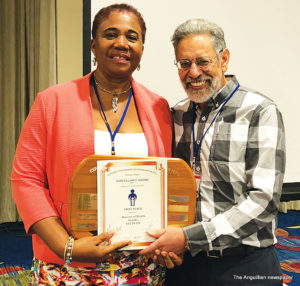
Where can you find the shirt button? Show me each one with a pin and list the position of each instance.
(198, 169)
(198, 141)
(203, 118)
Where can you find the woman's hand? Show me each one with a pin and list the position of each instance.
(86, 249)
(167, 259)
(95, 248)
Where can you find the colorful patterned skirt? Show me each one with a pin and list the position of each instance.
(123, 269)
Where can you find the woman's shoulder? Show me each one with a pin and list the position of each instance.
(68, 85)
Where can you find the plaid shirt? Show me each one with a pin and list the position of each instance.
(241, 162)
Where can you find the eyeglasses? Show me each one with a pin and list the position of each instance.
(202, 63)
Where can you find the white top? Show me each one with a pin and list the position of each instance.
(126, 144)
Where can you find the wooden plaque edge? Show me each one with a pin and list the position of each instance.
(111, 157)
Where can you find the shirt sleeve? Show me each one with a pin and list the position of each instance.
(29, 181)
(257, 207)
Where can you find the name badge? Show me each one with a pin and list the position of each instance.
(197, 175)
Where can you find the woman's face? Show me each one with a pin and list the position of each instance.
(118, 45)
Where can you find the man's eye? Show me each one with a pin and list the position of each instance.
(185, 64)
(202, 62)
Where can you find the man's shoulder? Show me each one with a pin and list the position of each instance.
(246, 96)
(254, 97)
(182, 106)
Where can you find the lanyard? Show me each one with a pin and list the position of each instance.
(112, 134)
(196, 146)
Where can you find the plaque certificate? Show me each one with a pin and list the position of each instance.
(132, 199)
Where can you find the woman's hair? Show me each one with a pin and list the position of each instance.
(200, 26)
(104, 13)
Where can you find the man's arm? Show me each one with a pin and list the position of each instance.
(254, 209)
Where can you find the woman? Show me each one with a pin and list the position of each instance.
(67, 123)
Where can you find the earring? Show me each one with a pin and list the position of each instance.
(94, 61)
(138, 67)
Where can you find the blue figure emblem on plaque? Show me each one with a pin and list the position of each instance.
(132, 198)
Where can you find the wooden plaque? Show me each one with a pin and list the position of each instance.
(82, 219)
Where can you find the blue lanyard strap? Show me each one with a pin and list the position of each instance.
(112, 134)
(196, 147)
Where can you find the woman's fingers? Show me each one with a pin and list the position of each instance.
(105, 236)
(107, 251)
(96, 248)
(114, 246)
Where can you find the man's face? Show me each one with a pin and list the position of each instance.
(201, 82)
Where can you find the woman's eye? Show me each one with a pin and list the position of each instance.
(132, 38)
(110, 36)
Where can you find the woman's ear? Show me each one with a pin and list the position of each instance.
(93, 46)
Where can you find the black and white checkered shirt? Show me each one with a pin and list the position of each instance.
(242, 164)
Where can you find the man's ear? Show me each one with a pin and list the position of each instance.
(225, 60)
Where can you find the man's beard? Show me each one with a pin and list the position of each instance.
(203, 95)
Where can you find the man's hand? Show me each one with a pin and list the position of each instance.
(169, 260)
(171, 239)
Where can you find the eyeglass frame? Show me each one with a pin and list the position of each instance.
(210, 61)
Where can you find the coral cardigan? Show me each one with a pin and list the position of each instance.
(57, 135)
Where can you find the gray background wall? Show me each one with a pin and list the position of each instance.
(263, 37)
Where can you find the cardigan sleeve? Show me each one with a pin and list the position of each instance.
(29, 180)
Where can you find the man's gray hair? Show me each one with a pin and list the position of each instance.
(200, 26)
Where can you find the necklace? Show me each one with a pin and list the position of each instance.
(112, 134)
(114, 102)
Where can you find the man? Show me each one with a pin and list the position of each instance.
(233, 139)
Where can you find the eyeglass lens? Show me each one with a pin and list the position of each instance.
(200, 62)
